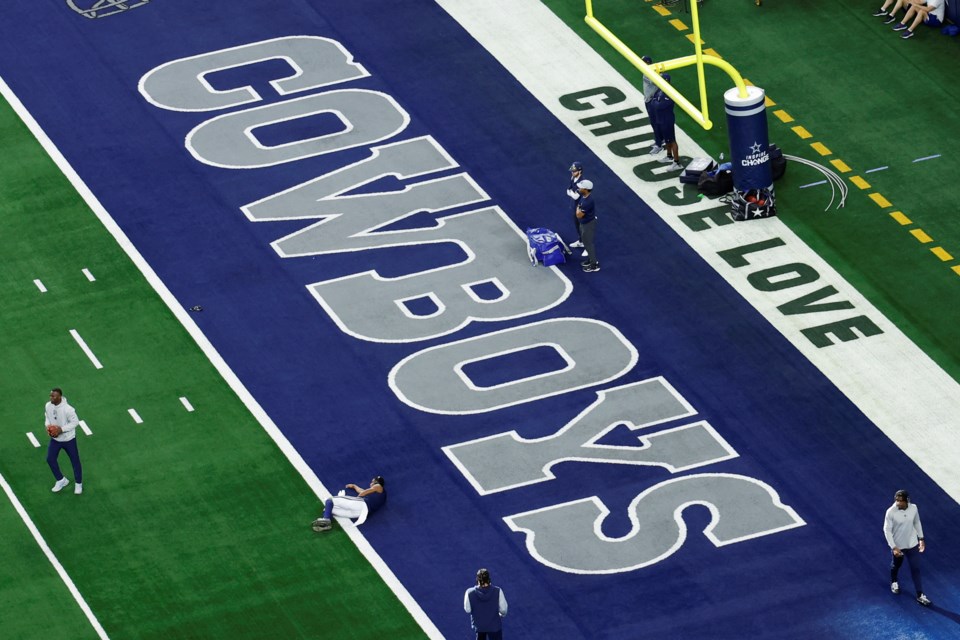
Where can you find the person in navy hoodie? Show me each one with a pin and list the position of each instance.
(486, 605)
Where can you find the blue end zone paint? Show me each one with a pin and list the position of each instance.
(791, 427)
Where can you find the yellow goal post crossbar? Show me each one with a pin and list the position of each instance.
(652, 71)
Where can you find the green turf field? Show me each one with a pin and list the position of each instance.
(192, 524)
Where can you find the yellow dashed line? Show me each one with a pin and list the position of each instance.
(803, 133)
(921, 235)
(860, 182)
(692, 38)
(941, 253)
(783, 115)
(840, 165)
(898, 216)
(819, 148)
(768, 102)
(747, 82)
(662, 10)
(712, 52)
(880, 200)
(956, 269)
(678, 24)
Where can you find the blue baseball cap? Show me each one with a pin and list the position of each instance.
(646, 59)
(665, 76)
(576, 166)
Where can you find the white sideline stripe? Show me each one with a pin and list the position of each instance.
(86, 429)
(895, 384)
(40, 286)
(363, 545)
(936, 155)
(33, 439)
(186, 404)
(876, 169)
(813, 184)
(52, 558)
(86, 349)
(89, 275)
(136, 416)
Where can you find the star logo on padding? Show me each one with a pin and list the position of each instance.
(755, 147)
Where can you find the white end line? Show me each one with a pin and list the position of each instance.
(86, 349)
(89, 275)
(33, 440)
(186, 403)
(53, 559)
(936, 155)
(136, 416)
(40, 286)
(86, 429)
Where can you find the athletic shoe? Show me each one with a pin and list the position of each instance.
(61, 483)
(584, 254)
(585, 263)
(908, 34)
(889, 20)
(895, 587)
(881, 12)
(78, 488)
(576, 245)
(674, 167)
(665, 159)
(899, 26)
(654, 150)
(322, 524)
(590, 268)
(924, 600)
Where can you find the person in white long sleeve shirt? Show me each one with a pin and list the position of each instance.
(904, 534)
(61, 424)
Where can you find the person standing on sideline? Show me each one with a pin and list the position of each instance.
(901, 528)
(576, 175)
(487, 606)
(587, 216)
(360, 506)
(61, 423)
(649, 91)
(666, 121)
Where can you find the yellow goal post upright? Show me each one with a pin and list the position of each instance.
(653, 70)
(745, 105)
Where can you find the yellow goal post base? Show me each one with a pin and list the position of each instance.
(652, 71)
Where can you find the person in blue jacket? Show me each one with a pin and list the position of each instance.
(487, 607)
(665, 121)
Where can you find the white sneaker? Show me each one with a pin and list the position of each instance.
(576, 245)
(78, 488)
(61, 483)
(924, 600)
(895, 587)
(654, 150)
(674, 167)
(584, 254)
(665, 159)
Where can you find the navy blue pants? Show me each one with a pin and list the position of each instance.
(53, 451)
(489, 635)
(914, 556)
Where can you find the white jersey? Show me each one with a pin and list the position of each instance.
(901, 527)
(64, 416)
